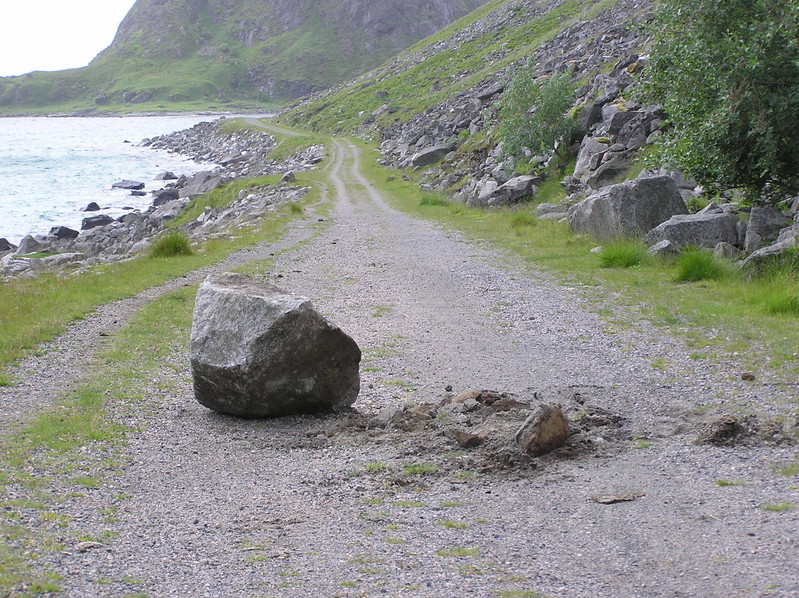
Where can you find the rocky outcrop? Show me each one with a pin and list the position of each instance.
(697, 230)
(257, 351)
(628, 209)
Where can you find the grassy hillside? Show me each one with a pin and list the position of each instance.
(229, 55)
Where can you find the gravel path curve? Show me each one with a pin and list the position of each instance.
(215, 506)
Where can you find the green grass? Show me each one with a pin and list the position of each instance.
(419, 468)
(781, 507)
(432, 200)
(623, 253)
(458, 552)
(170, 244)
(696, 264)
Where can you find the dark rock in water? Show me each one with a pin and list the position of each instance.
(6, 245)
(544, 431)
(257, 351)
(95, 221)
(138, 193)
(63, 232)
(166, 176)
(92, 207)
(125, 184)
(165, 195)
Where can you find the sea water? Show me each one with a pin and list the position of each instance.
(52, 168)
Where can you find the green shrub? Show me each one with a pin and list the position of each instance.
(623, 253)
(696, 264)
(171, 244)
(535, 115)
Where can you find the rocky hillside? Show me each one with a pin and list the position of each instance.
(435, 109)
(192, 53)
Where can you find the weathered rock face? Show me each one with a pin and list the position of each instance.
(544, 431)
(700, 230)
(628, 209)
(257, 351)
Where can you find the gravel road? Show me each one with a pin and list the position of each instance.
(214, 506)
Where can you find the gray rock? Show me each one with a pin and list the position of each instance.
(166, 176)
(700, 230)
(95, 221)
(608, 172)
(257, 351)
(664, 249)
(726, 250)
(29, 245)
(590, 155)
(200, 183)
(545, 209)
(762, 257)
(165, 196)
(765, 224)
(63, 232)
(544, 431)
(92, 207)
(431, 155)
(126, 184)
(628, 209)
(6, 245)
(288, 177)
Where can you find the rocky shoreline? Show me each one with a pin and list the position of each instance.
(102, 239)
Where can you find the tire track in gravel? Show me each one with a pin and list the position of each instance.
(219, 506)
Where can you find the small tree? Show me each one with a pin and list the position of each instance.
(535, 115)
(727, 74)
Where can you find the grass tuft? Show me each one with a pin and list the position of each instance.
(623, 253)
(171, 244)
(695, 264)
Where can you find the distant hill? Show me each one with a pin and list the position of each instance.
(198, 54)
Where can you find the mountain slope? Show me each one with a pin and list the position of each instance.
(192, 53)
(474, 56)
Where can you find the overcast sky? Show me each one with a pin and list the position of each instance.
(52, 35)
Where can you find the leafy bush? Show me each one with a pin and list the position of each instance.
(171, 244)
(623, 253)
(697, 264)
(726, 73)
(535, 115)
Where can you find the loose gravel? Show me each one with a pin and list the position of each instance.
(209, 505)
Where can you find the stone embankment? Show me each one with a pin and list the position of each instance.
(241, 154)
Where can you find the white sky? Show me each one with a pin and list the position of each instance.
(52, 35)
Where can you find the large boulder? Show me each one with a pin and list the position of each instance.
(765, 224)
(508, 193)
(628, 209)
(699, 230)
(431, 155)
(257, 351)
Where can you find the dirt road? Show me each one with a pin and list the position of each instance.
(214, 506)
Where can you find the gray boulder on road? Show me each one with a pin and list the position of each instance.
(257, 351)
